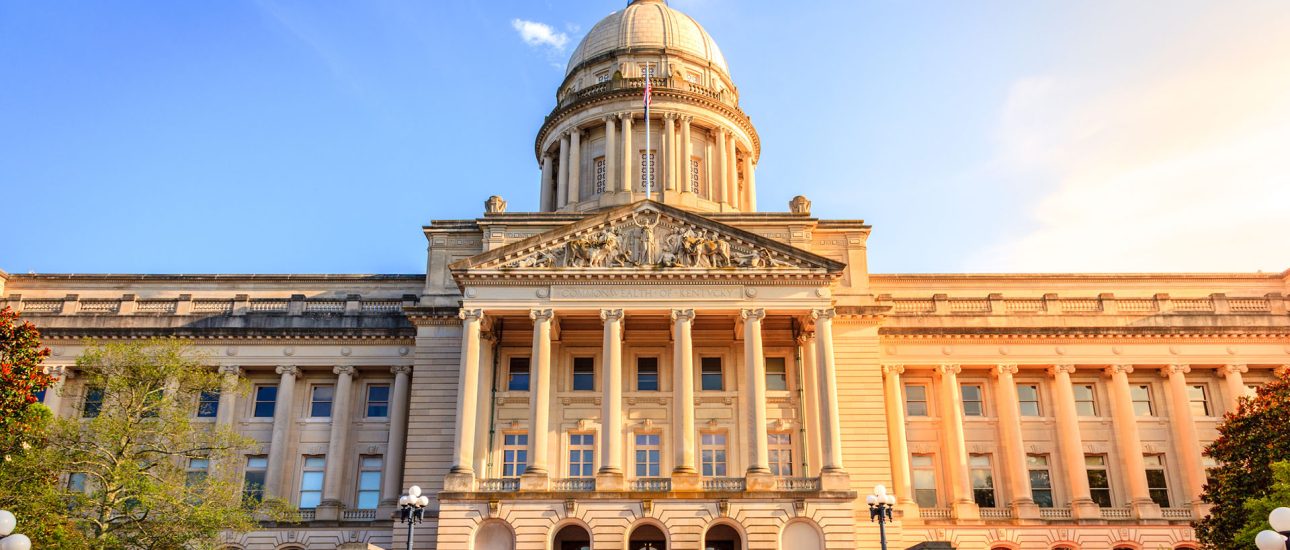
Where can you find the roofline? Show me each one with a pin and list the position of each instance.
(1085, 276)
(218, 276)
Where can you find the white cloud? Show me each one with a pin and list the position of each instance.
(540, 34)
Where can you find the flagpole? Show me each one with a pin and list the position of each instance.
(649, 154)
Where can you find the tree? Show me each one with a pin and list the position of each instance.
(1249, 442)
(1257, 509)
(22, 377)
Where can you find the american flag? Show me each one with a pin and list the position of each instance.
(649, 88)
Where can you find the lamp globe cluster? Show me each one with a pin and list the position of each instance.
(1279, 537)
(8, 540)
(414, 498)
(880, 496)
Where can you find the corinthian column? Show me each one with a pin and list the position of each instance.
(484, 398)
(1071, 444)
(722, 168)
(1014, 451)
(684, 157)
(1233, 385)
(669, 151)
(832, 476)
(897, 441)
(462, 475)
(229, 376)
(536, 475)
(562, 180)
(337, 444)
(755, 373)
(1129, 443)
(546, 190)
(397, 439)
(630, 173)
(611, 159)
(684, 476)
(610, 476)
(1186, 439)
(811, 398)
(964, 506)
(282, 416)
(575, 165)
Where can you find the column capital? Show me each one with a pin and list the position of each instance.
(686, 119)
(1170, 370)
(401, 369)
(721, 132)
(1228, 370)
(290, 370)
(470, 314)
(344, 370)
(1119, 369)
(893, 368)
(752, 314)
(610, 118)
(541, 314)
(625, 116)
(611, 315)
(824, 313)
(230, 369)
(1059, 369)
(1004, 369)
(683, 315)
(944, 369)
(64, 371)
(805, 337)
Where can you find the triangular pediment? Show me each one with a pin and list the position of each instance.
(647, 238)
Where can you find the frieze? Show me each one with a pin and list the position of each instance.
(562, 292)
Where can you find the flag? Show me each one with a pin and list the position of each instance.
(649, 88)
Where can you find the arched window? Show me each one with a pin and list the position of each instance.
(572, 537)
(494, 535)
(647, 537)
(722, 537)
(801, 535)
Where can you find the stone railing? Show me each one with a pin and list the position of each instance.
(652, 484)
(996, 513)
(358, 515)
(724, 484)
(499, 485)
(574, 484)
(1055, 513)
(1104, 304)
(934, 513)
(1175, 513)
(303, 515)
(185, 304)
(1117, 513)
(797, 484)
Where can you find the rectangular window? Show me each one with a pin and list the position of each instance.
(369, 482)
(93, 404)
(712, 454)
(515, 454)
(710, 374)
(197, 470)
(584, 373)
(598, 169)
(1028, 399)
(265, 399)
(915, 400)
(649, 70)
(582, 455)
(982, 480)
(646, 374)
(1099, 481)
(40, 395)
(648, 170)
(76, 482)
(1041, 480)
(320, 401)
(1157, 486)
(602, 76)
(780, 446)
(1141, 396)
(647, 455)
(695, 169)
(776, 374)
(973, 400)
(311, 481)
(1198, 396)
(378, 401)
(518, 374)
(1085, 400)
(253, 480)
(208, 404)
(924, 472)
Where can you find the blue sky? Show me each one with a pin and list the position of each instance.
(308, 137)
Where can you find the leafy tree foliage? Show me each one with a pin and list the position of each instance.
(1249, 442)
(21, 377)
(1257, 509)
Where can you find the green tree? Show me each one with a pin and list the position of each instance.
(1249, 442)
(1257, 509)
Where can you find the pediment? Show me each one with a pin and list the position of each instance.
(647, 238)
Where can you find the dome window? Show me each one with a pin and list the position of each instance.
(602, 76)
(649, 70)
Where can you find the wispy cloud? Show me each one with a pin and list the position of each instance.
(539, 34)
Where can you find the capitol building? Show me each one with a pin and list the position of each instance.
(686, 369)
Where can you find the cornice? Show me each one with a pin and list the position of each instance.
(259, 336)
(1081, 333)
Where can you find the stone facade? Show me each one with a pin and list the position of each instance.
(682, 371)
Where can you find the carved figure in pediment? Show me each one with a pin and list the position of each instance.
(702, 250)
(578, 253)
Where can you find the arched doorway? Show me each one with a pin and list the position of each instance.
(647, 537)
(722, 537)
(572, 537)
(494, 535)
(800, 535)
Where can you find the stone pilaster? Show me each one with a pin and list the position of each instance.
(462, 475)
(897, 440)
(610, 476)
(684, 475)
(951, 407)
(1186, 437)
(1014, 451)
(396, 441)
(833, 475)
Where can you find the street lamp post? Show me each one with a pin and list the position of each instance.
(1279, 537)
(412, 510)
(9, 541)
(880, 505)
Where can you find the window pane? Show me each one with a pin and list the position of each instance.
(265, 399)
(378, 401)
(776, 374)
(208, 404)
(584, 374)
(519, 374)
(320, 405)
(647, 374)
(710, 379)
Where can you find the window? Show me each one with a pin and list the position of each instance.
(695, 169)
(76, 482)
(253, 481)
(369, 482)
(982, 480)
(924, 471)
(648, 170)
(599, 170)
(518, 376)
(1041, 481)
(973, 402)
(646, 374)
(780, 446)
(1099, 482)
(647, 455)
(1198, 398)
(776, 374)
(265, 399)
(1157, 486)
(311, 481)
(649, 70)
(320, 401)
(710, 374)
(378, 401)
(515, 454)
(692, 78)
(602, 76)
(582, 455)
(40, 395)
(208, 404)
(93, 404)
(197, 470)
(1141, 396)
(1028, 399)
(584, 373)
(712, 454)
(915, 400)
(1085, 401)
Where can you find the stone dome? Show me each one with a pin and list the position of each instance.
(648, 24)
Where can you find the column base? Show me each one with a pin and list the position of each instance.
(1085, 509)
(535, 481)
(759, 480)
(1025, 509)
(965, 511)
(610, 481)
(1200, 509)
(835, 480)
(1146, 510)
(907, 513)
(328, 510)
(686, 482)
(459, 482)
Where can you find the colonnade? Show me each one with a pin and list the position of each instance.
(472, 424)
